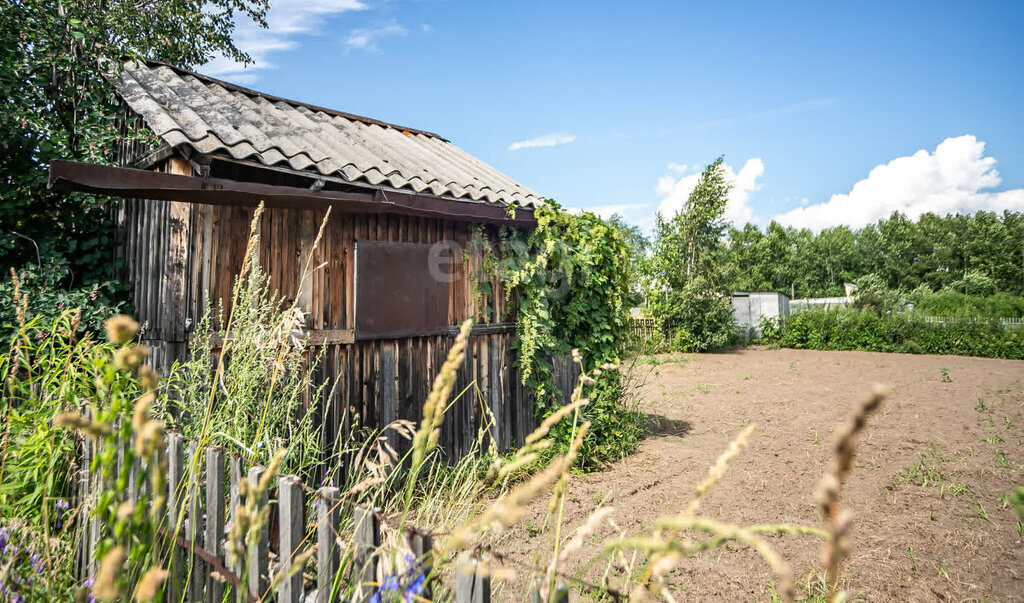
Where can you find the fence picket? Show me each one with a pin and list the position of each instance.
(291, 509)
(234, 496)
(259, 550)
(175, 467)
(201, 536)
(367, 539)
(472, 581)
(198, 573)
(423, 550)
(213, 540)
(327, 561)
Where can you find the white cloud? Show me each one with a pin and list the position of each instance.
(954, 178)
(287, 20)
(366, 39)
(675, 191)
(548, 140)
(427, 28)
(679, 168)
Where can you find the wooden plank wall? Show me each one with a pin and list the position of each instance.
(181, 257)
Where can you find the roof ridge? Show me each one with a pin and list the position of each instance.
(293, 102)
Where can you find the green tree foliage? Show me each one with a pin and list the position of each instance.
(981, 254)
(57, 104)
(638, 245)
(689, 267)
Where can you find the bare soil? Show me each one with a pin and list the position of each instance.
(954, 539)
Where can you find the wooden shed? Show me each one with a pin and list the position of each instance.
(397, 195)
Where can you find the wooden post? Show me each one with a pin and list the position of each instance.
(175, 467)
(471, 584)
(258, 551)
(327, 561)
(561, 594)
(367, 541)
(423, 550)
(213, 540)
(234, 496)
(197, 579)
(291, 508)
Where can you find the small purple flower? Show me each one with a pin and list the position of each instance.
(409, 585)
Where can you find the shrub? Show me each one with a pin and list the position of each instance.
(903, 333)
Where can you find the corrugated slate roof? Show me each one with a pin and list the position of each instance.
(218, 118)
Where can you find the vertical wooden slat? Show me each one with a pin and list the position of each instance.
(213, 540)
(259, 550)
(291, 509)
(423, 551)
(387, 393)
(198, 573)
(234, 494)
(494, 395)
(133, 474)
(175, 472)
(367, 541)
(327, 559)
(472, 582)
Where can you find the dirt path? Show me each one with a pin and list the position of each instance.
(953, 539)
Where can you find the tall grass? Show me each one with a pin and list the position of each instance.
(63, 392)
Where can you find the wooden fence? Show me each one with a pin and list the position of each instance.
(643, 329)
(203, 502)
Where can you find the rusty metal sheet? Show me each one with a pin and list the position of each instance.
(402, 289)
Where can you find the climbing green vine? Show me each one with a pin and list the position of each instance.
(567, 280)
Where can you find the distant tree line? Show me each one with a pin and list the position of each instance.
(979, 254)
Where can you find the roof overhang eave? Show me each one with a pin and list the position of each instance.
(144, 184)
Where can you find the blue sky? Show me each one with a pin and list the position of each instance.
(825, 112)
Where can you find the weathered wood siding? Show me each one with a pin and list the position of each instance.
(182, 257)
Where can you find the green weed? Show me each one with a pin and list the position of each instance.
(944, 375)
(978, 513)
(925, 472)
(1002, 462)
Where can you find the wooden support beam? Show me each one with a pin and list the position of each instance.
(132, 183)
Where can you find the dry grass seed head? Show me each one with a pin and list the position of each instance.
(830, 489)
(129, 358)
(140, 413)
(120, 329)
(149, 584)
(105, 587)
(720, 466)
(510, 509)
